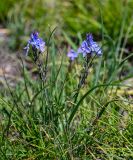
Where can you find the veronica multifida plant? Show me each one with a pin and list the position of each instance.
(89, 50)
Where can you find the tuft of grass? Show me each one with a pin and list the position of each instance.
(42, 120)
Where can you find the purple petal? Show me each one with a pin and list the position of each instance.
(26, 50)
(89, 39)
(84, 48)
(72, 54)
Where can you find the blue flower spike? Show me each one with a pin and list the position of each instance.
(72, 54)
(89, 46)
(93, 45)
(36, 43)
(84, 48)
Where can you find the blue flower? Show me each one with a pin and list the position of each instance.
(84, 48)
(36, 43)
(89, 46)
(72, 54)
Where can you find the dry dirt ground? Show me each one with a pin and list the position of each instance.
(10, 63)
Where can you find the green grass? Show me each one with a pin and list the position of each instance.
(44, 120)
